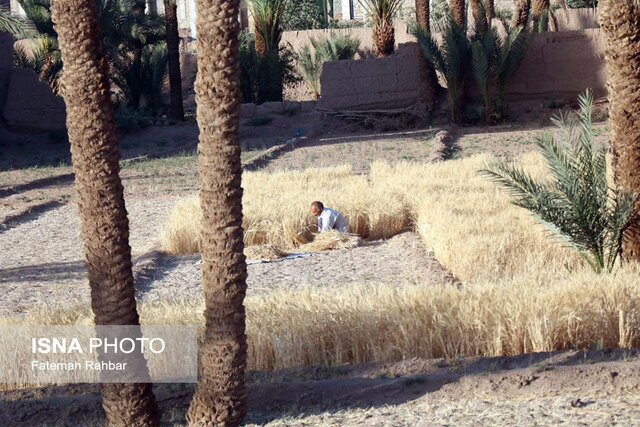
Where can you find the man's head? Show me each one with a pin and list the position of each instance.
(316, 208)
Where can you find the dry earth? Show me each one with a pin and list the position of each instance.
(568, 388)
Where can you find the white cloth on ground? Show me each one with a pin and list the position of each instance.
(330, 219)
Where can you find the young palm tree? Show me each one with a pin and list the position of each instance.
(105, 227)
(173, 49)
(267, 21)
(458, 9)
(335, 48)
(520, 13)
(13, 25)
(220, 396)
(381, 12)
(620, 21)
(576, 205)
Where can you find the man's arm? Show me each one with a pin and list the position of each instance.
(328, 221)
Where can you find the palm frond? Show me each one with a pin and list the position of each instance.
(577, 205)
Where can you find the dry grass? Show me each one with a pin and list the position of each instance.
(276, 209)
(263, 252)
(331, 240)
(521, 293)
(469, 223)
(384, 323)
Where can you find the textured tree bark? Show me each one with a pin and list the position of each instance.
(537, 8)
(428, 78)
(490, 10)
(521, 13)
(423, 15)
(220, 397)
(479, 15)
(173, 49)
(458, 10)
(620, 21)
(260, 43)
(384, 37)
(105, 227)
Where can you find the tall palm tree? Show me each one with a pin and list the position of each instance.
(220, 397)
(620, 21)
(428, 76)
(173, 49)
(267, 23)
(458, 10)
(105, 227)
(423, 15)
(538, 7)
(520, 13)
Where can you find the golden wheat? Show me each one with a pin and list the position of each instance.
(385, 323)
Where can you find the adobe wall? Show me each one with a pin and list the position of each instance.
(562, 64)
(372, 83)
(577, 19)
(26, 103)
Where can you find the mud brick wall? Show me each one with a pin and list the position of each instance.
(372, 83)
(562, 64)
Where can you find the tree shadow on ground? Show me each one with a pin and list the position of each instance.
(306, 391)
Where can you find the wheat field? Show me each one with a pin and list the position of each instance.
(520, 292)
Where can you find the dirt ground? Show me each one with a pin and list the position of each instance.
(569, 388)
(38, 267)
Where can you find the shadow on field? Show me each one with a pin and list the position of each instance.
(49, 272)
(313, 390)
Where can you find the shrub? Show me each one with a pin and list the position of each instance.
(303, 15)
(578, 206)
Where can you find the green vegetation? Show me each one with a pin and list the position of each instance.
(578, 206)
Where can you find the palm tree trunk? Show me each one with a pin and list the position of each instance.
(423, 15)
(479, 15)
(173, 49)
(537, 9)
(105, 227)
(490, 11)
(220, 397)
(521, 13)
(136, 93)
(429, 81)
(620, 21)
(260, 42)
(458, 10)
(384, 37)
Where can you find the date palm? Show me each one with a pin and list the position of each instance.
(173, 49)
(429, 81)
(479, 15)
(220, 397)
(620, 21)
(458, 9)
(105, 227)
(381, 12)
(267, 22)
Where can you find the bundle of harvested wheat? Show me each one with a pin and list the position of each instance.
(331, 240)
(263, 252)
